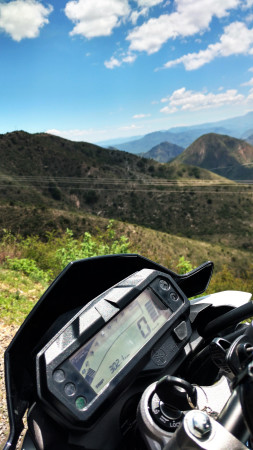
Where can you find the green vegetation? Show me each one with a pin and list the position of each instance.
(18, 295)
(88, 246)
(226, 280)
(30, 268)
(183, 265)
(28, 264)
(43, 260)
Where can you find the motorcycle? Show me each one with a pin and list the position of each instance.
(115, 356)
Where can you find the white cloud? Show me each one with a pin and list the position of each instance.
(123, 57)
(136, 14)
(96, 20)
(112, 63)
(140, 116)
(248, 83)
(237, 39)
(249, 18)
(129, 127)
(23, 18)
(190, 17)
(130, 58)
(77, 134)
(250, 96)
(149, 3)
(187, 100)
(144, 6)
(168, 110)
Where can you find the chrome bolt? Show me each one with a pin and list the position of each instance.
(199, 424)
(164, 285)
(250, 370)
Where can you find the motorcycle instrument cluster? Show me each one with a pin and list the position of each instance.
(143, 321)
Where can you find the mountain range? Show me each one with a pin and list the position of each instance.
(238, 127)
(229, 157)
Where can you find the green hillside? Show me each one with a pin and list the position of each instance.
(224, 155)
(44, 155)
(45, 169)
(49, 183)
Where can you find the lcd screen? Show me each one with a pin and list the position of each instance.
(105, 355)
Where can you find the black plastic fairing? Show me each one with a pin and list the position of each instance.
(76, 285)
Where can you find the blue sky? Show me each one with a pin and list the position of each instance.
(94, 70)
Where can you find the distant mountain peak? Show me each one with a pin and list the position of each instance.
(222, 154)
(163, 152)
(238, 127)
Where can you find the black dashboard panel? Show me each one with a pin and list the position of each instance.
(139, 324)
(80, 282)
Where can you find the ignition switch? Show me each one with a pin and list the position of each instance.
(172, 396)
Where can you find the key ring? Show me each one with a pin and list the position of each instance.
(205, 408)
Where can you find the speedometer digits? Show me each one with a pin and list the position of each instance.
(115, 365)
(143, 327)
(108, 352)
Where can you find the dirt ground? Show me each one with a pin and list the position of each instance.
(6, 334)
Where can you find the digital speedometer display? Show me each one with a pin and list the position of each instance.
(108, 352)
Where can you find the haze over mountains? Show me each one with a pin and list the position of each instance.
(163, 152)
(239, 127)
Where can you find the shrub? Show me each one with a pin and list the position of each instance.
(225, 280)
(91, 197)
(91, 246)
(30, 268)
(184, 266)
(54, 191)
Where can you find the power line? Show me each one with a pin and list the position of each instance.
(231, 165)
(85, 180)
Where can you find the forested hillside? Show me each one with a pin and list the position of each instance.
(50, 183)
